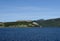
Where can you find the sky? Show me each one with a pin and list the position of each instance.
(13, 10)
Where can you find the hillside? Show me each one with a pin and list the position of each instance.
(34, 23)
(49, 22)
(19, 24)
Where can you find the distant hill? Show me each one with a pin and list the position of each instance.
(34, 23)
(21, 24)
(49, 22)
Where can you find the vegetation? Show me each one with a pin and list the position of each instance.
(20, 24)
(35, 23)
(49, 22)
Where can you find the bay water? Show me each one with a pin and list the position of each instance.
(30, 34)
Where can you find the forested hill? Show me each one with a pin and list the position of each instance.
(49, 22)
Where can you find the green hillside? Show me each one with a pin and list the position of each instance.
(34, 23)
(49, 22)
(20, 24)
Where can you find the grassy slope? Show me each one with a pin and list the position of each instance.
(50, 22)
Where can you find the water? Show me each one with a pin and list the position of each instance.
(29, 34)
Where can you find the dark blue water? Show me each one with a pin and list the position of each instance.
(29, 34)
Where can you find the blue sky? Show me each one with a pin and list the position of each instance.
(12, 10)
